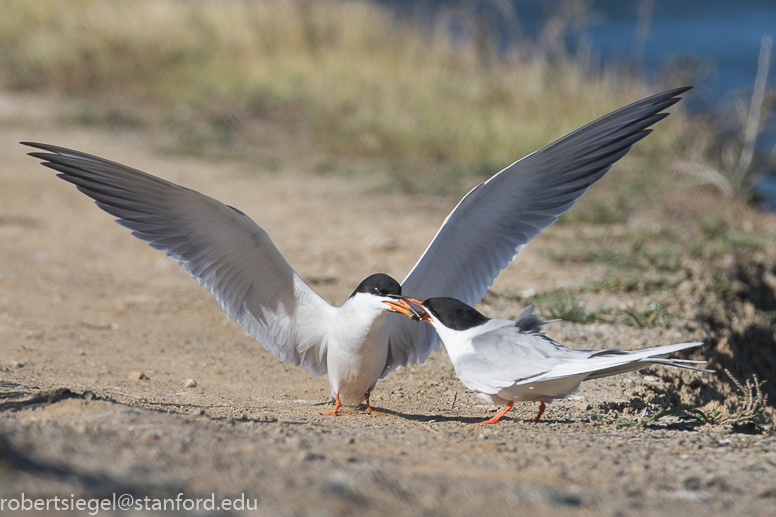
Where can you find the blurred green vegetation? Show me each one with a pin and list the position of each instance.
(563, 304)
(700, 239)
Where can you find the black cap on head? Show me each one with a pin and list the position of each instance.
(454, 314)
(378, 284)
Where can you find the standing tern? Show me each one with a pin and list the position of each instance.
(358, 343)
(503, 361)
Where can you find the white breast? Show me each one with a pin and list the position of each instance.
(357, 348)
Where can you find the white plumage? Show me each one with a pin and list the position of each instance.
(505, 361)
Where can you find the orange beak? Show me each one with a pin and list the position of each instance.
(402, 307)
(419, 303)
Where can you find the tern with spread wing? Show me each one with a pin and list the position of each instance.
(359, 342)
(505, 361)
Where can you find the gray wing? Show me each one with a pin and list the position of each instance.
(222, 248)
(507, 356)
(497, 218)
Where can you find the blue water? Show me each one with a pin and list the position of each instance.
(723, 34)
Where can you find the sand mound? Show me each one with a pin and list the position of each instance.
(734, 301)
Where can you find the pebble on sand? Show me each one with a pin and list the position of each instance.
(190, 383)
(137, 376)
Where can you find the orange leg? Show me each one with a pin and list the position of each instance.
(337, 405)
(369, 409)
(541, 412)
(498, 416)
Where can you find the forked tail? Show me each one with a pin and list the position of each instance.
(604, 363)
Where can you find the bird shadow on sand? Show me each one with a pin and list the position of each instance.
(432, 419)
(24, 398)
(686, 425)
(17, 400)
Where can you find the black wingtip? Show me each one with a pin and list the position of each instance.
(36, 145)
(675, 92)
(39, 155)
(50, 150)
(667, 98)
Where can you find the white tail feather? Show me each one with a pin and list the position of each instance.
(597, 366)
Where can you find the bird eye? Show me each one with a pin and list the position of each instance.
(376, 290)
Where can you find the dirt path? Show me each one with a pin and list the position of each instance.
(84, 307)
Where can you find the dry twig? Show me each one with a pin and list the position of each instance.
(754, 400)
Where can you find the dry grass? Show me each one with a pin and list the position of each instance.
(367, 82)
(752, 400)
(438, 115)
(752, 403)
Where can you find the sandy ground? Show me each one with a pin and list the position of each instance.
(85, 308)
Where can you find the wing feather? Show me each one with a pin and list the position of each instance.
(220, 247)
(497, 218)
